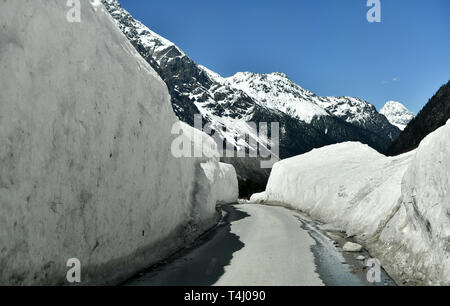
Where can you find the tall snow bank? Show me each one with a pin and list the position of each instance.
(416, 242)
(216, 182)
(399, 206)
(348, 184)
(86, 169)
(258, 198)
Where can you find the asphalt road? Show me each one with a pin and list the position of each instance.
(257, 245)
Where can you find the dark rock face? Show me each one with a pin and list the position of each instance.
(195, 90)
(434, 115)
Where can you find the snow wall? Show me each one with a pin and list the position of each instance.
(399, 207)
(86, 169)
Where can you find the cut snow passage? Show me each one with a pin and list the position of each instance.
(399, 206)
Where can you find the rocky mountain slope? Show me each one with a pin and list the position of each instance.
(434, 115)
(229, 104)
(277, 91)
(397, 114)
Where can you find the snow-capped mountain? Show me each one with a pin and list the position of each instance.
(432, 116)
(276, 91)
(193, 90)
(230, 105)
(397, 114)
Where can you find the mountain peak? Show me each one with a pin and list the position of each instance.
(214, 76)
(245, 97)
(432, 116)
(142, 34)
(248, 74)
(280, 74)
(395, 104)
(276, 91)
(397, 114)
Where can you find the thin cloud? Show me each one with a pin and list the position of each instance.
(396, 79)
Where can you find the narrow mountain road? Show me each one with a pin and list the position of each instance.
(256, 245)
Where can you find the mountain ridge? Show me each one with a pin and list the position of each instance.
(306, 120)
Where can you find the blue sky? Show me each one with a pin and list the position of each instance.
(326, 46)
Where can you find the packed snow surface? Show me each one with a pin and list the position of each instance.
(85, 152)
(398, 206)
(397, 114)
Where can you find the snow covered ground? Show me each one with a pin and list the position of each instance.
(398, 206)
(85, 152)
